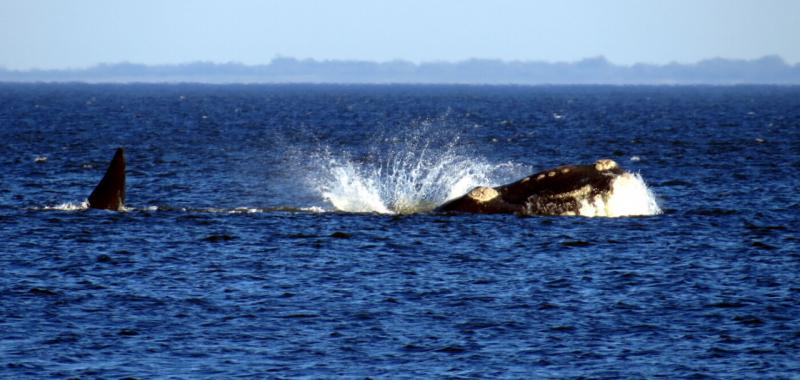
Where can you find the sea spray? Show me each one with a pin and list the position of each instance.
(629, 196)
(410, 171)
(418, 168)
(402, 182)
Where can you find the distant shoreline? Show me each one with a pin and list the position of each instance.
(591, 71)
(410, 85)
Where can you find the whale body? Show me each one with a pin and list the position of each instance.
(109, 194)
(600, 189)
(564, 190)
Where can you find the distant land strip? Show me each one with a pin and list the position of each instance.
(771, 69)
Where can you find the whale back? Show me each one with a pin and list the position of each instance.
(109, 194)
(565, 179)
(557, 191)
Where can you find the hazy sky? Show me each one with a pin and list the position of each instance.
(80, 33)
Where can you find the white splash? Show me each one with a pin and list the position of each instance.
(415, 178)
(629, 196)
(69, 206)
(416, 169)
(353, 191)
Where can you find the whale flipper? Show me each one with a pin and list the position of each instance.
(557, 191)
(110, 192)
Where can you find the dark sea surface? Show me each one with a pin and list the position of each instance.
(237, 256)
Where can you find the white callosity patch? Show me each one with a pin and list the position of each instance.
(629, 196)
(483, 194)
(605, 164)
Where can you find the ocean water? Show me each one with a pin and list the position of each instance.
(286, 231)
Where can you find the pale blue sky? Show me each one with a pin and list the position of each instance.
(81, 33)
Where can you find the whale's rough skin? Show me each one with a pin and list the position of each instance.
(557, 191)
(110, 192)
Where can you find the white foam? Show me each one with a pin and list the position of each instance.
(76, 206)
(244, 210)
(69, 206)
(235, 210)
(629, 196)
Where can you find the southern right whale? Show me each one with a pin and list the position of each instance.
(564, 190)
(599, 189)
(109, 194)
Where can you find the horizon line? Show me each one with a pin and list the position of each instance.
(769, 69)
(595, 58)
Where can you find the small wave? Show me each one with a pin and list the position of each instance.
(255, 210)
(83, 206)
(234, 210)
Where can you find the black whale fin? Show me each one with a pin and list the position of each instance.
(110, 192)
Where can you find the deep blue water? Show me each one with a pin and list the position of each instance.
(232, 263)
